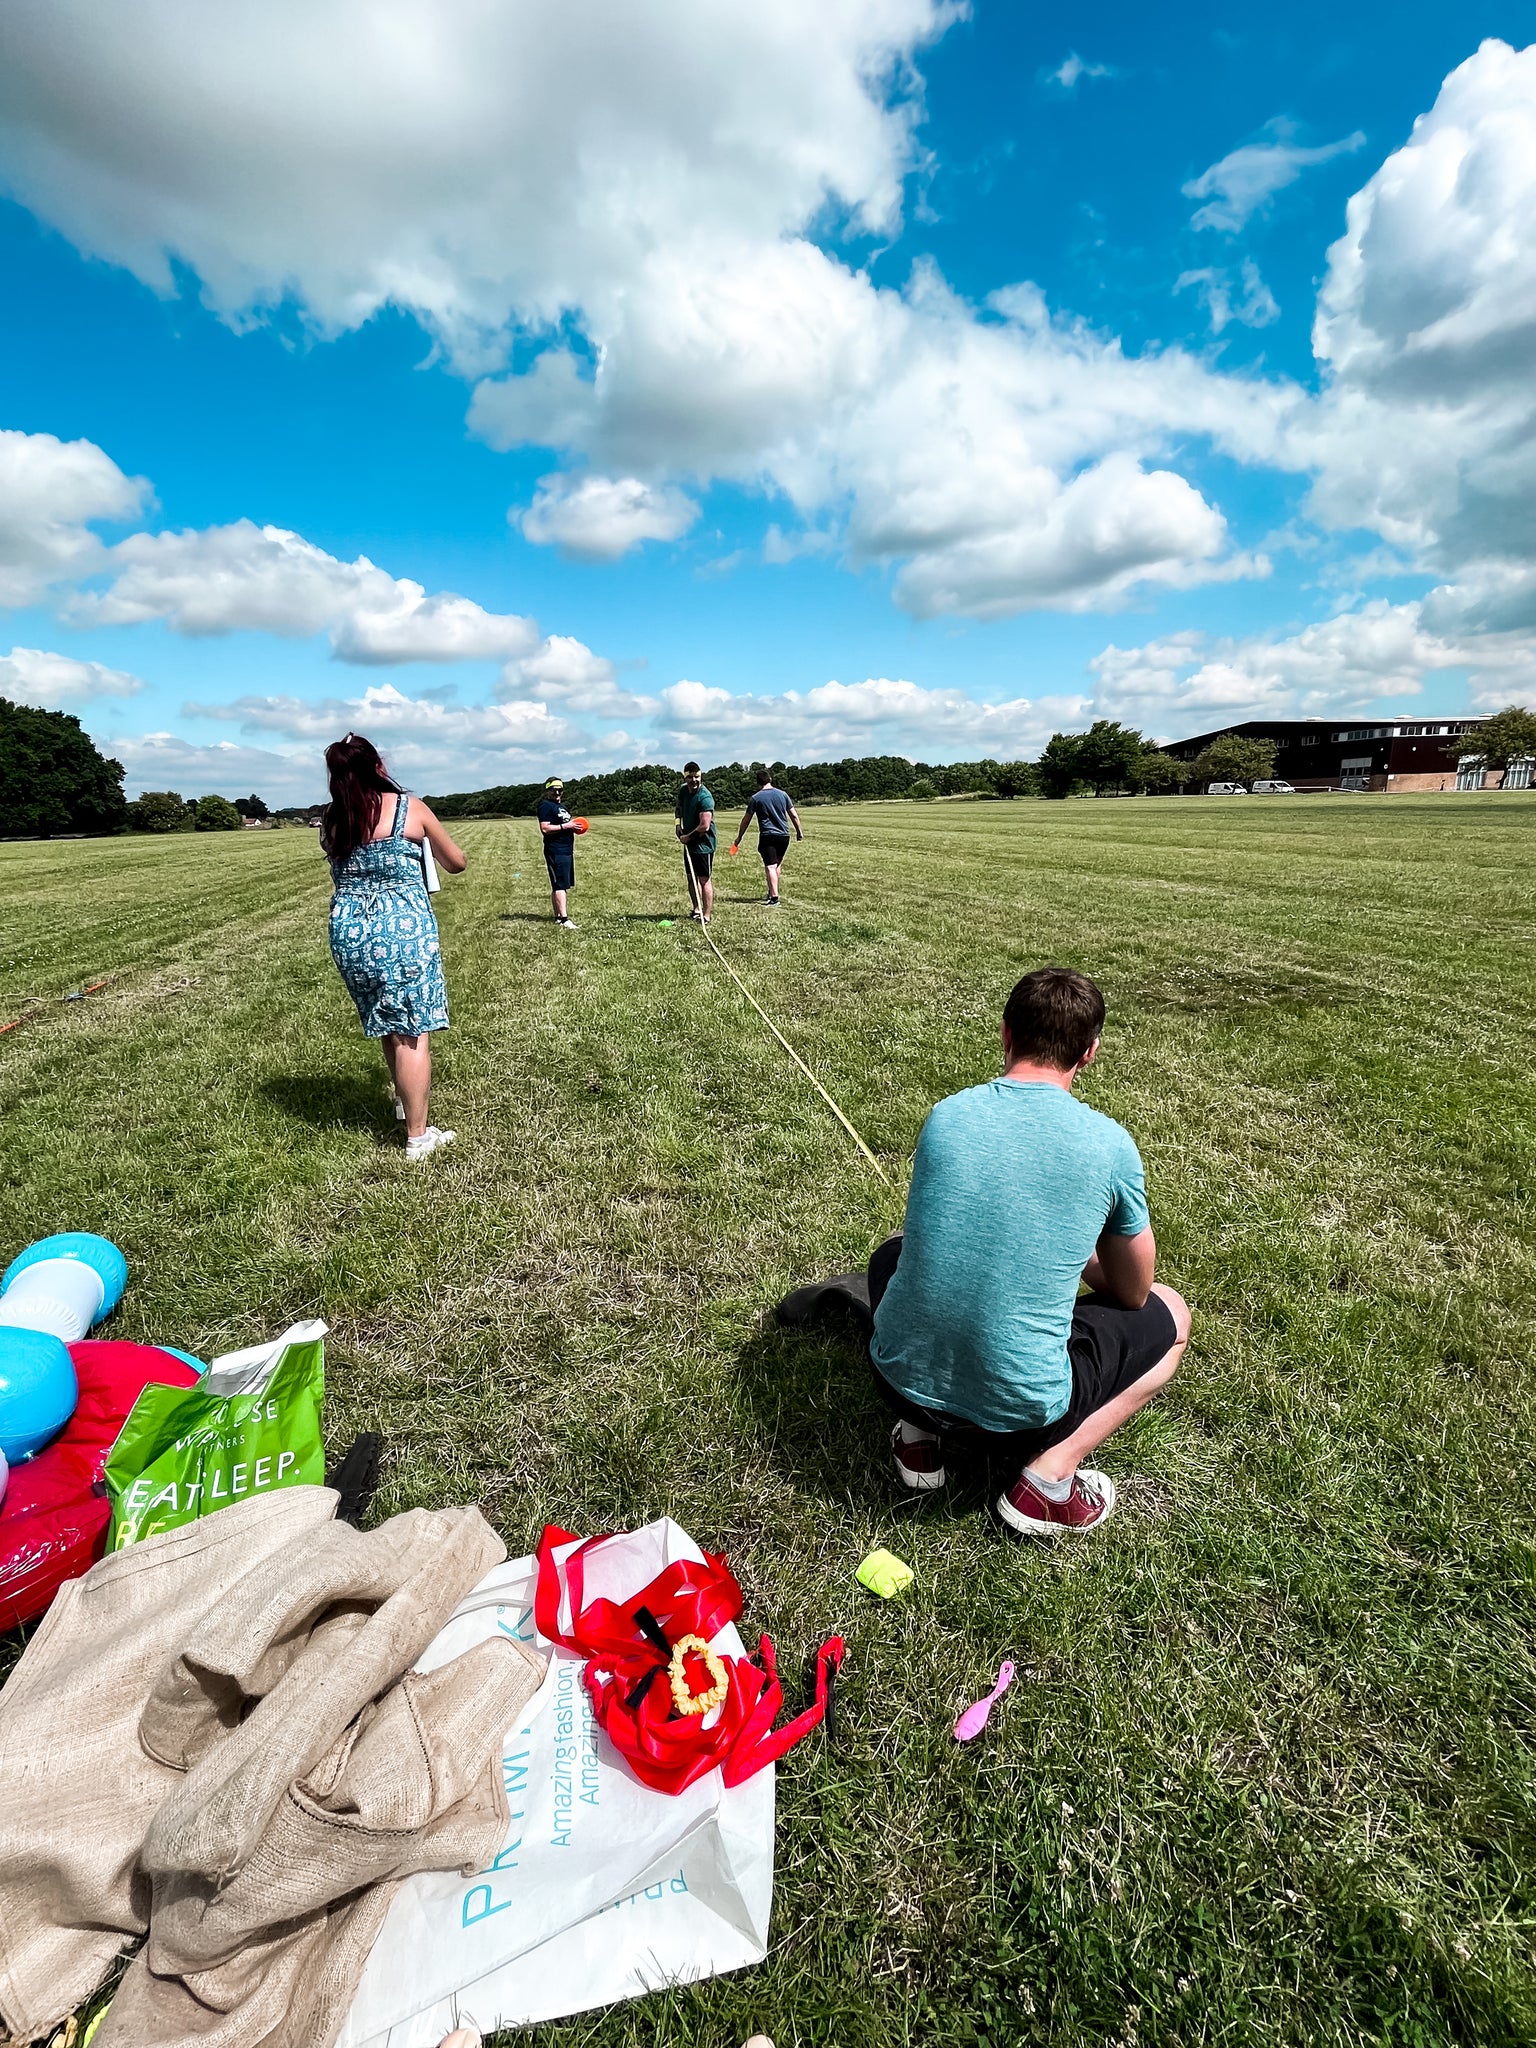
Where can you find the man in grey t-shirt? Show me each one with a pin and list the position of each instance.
(774, 814)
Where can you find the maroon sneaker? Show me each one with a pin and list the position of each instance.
(1088, 1506)
(918, 1466)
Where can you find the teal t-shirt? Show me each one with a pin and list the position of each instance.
(1013, 1185)
(689, 805)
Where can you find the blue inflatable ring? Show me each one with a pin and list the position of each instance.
(38, 1391)
(97, 1252)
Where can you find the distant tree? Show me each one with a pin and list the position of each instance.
(160, 810)
(922, 790)
(1510, 735)
(52, 779)
(1106, 754)
(1153, 772)
(1059, 768)
(1231, 758)
(251, 807)
(215, 814)
(730, 786)
(1017, 778)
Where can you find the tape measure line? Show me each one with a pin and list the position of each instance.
(778, 1034)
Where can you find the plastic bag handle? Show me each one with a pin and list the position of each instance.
(606, 1629)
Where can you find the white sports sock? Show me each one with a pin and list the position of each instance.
(1053, 1489)
(911, 1434)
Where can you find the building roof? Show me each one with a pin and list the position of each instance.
(1345, 725)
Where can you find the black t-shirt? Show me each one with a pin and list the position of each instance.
(553, 812)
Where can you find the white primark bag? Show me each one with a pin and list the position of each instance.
(605, 1888)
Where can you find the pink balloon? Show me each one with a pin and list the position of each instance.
(974, 1719)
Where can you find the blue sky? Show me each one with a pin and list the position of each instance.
(887, 377)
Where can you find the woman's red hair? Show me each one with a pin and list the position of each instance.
(359, 785)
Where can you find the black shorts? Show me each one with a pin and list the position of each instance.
(772, 847)
(561, 862)
(701, 858)
(1110, 1348)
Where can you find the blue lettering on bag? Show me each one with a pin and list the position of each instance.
(482, 1891)
(522, 1629)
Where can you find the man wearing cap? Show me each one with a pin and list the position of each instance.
(558, 831)
(696, 829)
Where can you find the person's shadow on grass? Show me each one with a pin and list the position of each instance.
(819, 1421)
(329, 1100)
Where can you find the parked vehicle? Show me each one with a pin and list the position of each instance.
(1226, 789)
(1274, 788)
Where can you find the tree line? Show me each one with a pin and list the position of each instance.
(654, 786)
(1107, 759)
(54, 780)
(163, 810)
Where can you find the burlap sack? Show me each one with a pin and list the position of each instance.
(272, 1955)
(79, 1789)
(287, 1773)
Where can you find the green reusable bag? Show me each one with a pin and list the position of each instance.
(184, 1452)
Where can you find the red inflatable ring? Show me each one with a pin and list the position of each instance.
(53, 1522)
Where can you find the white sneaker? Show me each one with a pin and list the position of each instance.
(431, 1140)
(566, 924)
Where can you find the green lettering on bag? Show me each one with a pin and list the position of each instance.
(183, 1452)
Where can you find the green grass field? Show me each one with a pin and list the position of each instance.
(1269, 1771)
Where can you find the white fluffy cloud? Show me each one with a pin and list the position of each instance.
(573, 676)
(58, 682)
(1365, 656)
(1072, 68)
(430, 741)
(1426, 330)
(223, 579)
(634, 194)
(1257, 306)
(997, 462)
(164, 760)
(435, 743)
(858, 718)
(479, 165)
(600, 518)
(51, 493)
(1246, 179)
(388, 713)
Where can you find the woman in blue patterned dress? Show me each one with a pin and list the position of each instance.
(383, 933)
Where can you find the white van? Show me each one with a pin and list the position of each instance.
(1274, 789)
(1226, 789)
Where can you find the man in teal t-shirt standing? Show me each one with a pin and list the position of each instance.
(696, 829)
(1019, 1191)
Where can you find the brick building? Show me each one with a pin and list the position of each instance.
(1393, 754)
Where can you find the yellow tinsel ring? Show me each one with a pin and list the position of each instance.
(684, 1698)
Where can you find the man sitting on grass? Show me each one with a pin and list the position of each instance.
(1019, 1191)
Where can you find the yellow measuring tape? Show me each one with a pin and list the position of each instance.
(778, 1034)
